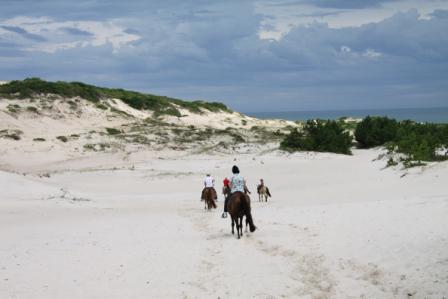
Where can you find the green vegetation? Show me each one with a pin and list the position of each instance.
(31, 87)
(419, 142)
(62, 138)
(32, 109)
(96, 147)
(101, 106)
(320, 136)
(160, 105)
(375, 131)
(112, 131)
(265, 135)
(11, 134)
(13, 108)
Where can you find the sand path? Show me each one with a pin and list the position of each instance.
(337, 227)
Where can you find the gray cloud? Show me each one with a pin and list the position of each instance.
(76, 31)
(212, 51)
(440, 13)
(22, 32)
(342, 4)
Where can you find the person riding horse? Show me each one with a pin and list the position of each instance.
(209, 183)
(263, 191)
(236, 184)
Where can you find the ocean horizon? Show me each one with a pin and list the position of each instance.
(432, 115)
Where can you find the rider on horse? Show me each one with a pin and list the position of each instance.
(236, 184)
(209, 183)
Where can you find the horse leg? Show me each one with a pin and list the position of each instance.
(233, 224)
(241, 226)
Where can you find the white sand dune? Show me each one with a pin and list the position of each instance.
(336, 227)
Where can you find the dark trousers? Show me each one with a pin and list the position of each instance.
(225, 203)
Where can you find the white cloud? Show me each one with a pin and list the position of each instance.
(279, 19)
(57, 37)
(370, 53)
(345, 49)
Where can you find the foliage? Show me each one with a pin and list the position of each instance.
(161, 105)
(375, 131)
(13, 108)
(320, 136)
(112, 131)
(62, 138)
(101, 106)
(32, 86)
(32, 109)
(11, 134)
(419, 142)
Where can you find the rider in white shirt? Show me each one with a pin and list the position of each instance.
(209, 182)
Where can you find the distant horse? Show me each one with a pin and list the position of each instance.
(263, 192)
(208, 196)
(238, 207)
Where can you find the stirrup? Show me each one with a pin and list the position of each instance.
(224, 215)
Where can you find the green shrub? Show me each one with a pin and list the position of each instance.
(33, 86)
(419, 142)
(161, 105)
(32, 109)
(391, 162)
(13, 108)
(113, 131)
(375, 131)
(12, 136)
(101, 106)
(73, 105)
(39, 139)
(320, 136)
(62, 138)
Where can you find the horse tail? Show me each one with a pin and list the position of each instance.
(268, 193)
(246, 208)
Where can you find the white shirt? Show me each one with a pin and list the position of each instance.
(209, 182)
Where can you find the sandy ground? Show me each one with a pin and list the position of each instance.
(336, 227)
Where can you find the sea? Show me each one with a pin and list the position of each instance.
(431, 115)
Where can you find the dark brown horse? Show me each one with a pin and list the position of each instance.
(238, 207)
(208, 196)
(226, 191)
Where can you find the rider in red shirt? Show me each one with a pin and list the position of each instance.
(226, 182)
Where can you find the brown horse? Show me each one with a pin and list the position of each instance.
(238, 207)
(226, 191)
(263, 192)
(208, 196)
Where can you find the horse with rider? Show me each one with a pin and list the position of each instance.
(237, 202)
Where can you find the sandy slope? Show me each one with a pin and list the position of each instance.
(337, 227)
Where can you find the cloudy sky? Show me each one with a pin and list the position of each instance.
(265, 55)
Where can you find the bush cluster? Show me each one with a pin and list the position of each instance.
(375, 131)
(161, 105)
(419, 142)
(320, 136)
